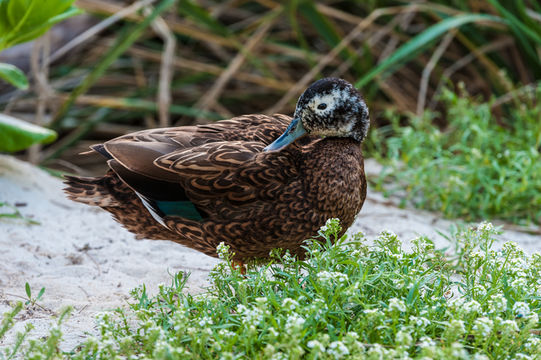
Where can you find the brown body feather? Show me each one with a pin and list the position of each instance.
(252, 200)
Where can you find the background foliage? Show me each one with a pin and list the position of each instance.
(162, 63)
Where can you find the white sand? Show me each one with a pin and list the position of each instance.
(85, 259)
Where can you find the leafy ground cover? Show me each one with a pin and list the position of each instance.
(477, 167)
(343, 301)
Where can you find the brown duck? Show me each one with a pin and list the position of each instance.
(238, 181)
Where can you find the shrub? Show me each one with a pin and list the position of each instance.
(477, 167)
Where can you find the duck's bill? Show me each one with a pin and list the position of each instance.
(294, 131)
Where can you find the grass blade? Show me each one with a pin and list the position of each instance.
(122, 44)
(420, 41)
(327, 30)
(201, 15)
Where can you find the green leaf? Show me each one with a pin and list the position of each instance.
(13, 75)
(28, 290)
(40, 294)
(16, 135)
(24, 20)
(420, 41)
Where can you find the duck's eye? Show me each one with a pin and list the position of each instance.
(322, 106)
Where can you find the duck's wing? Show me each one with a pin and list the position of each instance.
(192, 172)
(224, 175)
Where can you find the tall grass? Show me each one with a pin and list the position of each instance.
(243, 58)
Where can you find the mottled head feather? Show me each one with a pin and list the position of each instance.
(333, 107)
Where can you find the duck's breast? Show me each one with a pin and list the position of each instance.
(334, 179)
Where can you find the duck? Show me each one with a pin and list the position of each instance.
(253, 182)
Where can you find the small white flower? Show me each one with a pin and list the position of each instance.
(289, 304)
(397, 305)
(327, 277)
(377, 351)
(533, 344)
(471, 307)
(477, 256)
(222, 250)
(521, 309)
(498, 303)
(422, 244)
(509, 326)
(483, 326)
(261, 301)
(337, 349)
(205, 321)
(533, 318)
(426, 341)
(520, 282)
(512, 248)
(294, 322)
(458, 351)
(226, 333)
(485, 227)
(316, 346)
(273, 332)
(403, 337)
(456, 328)
(420, 321)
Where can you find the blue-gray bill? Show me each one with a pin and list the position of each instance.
(294, 131)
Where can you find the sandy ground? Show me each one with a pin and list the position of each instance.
(85, 259)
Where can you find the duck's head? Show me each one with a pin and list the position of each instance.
(330, 107)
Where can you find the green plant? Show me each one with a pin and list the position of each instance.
(476, 167)
(31, 300)
(16, 135)
(21, 21)
(24, 20)
(347, 300)
(392, 47)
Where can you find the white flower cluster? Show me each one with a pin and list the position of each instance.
(337, 350)
(471, 307)
(334, 277)
(294, 323)
(397, 305)
(521, 309)
(483, 326)
(289, 304)
(498, 303)
(222, 250)
(250, 317)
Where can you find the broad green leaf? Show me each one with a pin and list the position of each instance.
(423, 39)
(24, 20)
(30, 33)
(16, 135)
(13, 75)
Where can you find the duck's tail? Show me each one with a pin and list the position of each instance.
(111, 194)
(96, 191)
